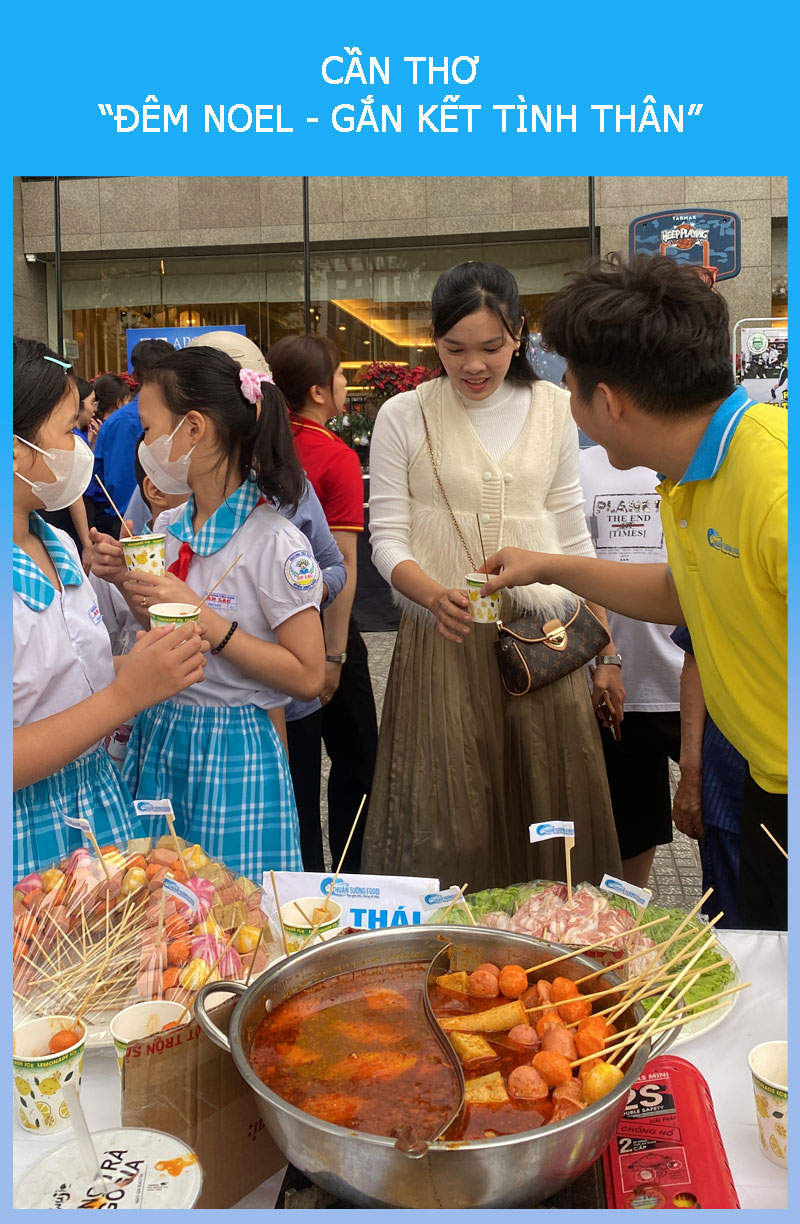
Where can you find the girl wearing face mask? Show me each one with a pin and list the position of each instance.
(222, 434)
(67, 695)
(463, 768)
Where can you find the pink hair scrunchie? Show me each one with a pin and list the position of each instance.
(251, 381)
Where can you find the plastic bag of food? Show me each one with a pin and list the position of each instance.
(155, 919)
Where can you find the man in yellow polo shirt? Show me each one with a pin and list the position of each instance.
(647, 346)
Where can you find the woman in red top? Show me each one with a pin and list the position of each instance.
(308, 371)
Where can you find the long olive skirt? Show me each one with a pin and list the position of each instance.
(463, 769)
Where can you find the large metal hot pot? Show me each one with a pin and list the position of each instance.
(370, 1170)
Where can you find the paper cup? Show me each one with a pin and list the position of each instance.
(172, 614)
(769, 1067)
(141, 1020)
(144, 553)
(141, 1168)
(38, 1075)
(296, 926)
(482, 608)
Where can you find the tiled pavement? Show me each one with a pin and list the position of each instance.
(675, 878)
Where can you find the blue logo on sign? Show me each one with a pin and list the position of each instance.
(716, 542)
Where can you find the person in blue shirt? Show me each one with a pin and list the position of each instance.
(117, 441)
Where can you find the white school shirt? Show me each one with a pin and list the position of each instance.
(61, 653)
(622, 513)
(276, 578)
(121, 625)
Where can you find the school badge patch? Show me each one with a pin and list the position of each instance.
(301, 570)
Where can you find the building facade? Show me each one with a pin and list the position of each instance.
(181, 252)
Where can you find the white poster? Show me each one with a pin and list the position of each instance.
(368, 903)
(765, 364)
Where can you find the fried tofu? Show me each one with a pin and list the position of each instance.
(453, 981)
(493, 1020)
(471, 1047)
(487, 1089)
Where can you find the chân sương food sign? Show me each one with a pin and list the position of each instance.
(704, 238)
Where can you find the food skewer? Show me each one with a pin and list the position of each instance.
(612, 968)
(775, 840)
(671, 985)
(332, 885)
(633, 992)
(280, 915)
(113, 506)
(698, 1006)
(694, 1009)
(219, 580)
(613, 1006)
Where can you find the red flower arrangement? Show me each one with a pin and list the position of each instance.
(391, 378)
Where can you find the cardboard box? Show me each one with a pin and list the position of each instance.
(181, 1083)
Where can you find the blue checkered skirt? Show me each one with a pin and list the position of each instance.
(225, 770)
(90, 788)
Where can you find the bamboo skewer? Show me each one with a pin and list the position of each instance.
(612, 968)
(219, 580)
(332, 885)
(649, 1021)
(671, 985)
(693, 1010)
(113, 506)
(698, 1006)
(480, 537)
(633, 992)
(599, 943)
(775, 841)
(171, 824)
(280, 916)
(255, 954)
(455, 900)
(613, 1006)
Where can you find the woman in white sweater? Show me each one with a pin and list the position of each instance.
(463, 769)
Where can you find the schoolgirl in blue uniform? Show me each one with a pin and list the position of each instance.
(222, 434)
(67, 694)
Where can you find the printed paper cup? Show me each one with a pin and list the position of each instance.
(141, 1169)
(769, 1067)
(144, 553)
(173, 614)
(38, 1075)
(482, 608)
(296, 926)
(142, 1020)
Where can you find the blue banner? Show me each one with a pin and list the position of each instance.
(178, 337)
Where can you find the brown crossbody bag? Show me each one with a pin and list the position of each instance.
(532, 653)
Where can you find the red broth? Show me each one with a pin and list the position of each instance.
(357, 1050)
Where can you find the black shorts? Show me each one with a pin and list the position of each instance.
(638, 778)
(762, 867)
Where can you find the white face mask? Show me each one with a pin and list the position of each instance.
(72, 470)
(168, 475)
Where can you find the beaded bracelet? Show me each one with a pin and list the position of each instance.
(215, 650)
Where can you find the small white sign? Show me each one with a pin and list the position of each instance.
(153, 807)
(76, 822)
(621, 888)
(551, 828)
(183, 894)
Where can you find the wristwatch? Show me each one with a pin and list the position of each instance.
(340, 658)
(612, 660)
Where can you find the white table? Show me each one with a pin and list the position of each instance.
(720, 1055)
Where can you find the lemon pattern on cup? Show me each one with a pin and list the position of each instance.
(776, 1147)
(50, 1085)
(762, 1105)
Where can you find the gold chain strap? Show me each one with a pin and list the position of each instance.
(441, 490)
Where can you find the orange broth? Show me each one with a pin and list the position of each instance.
(357, 1050)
